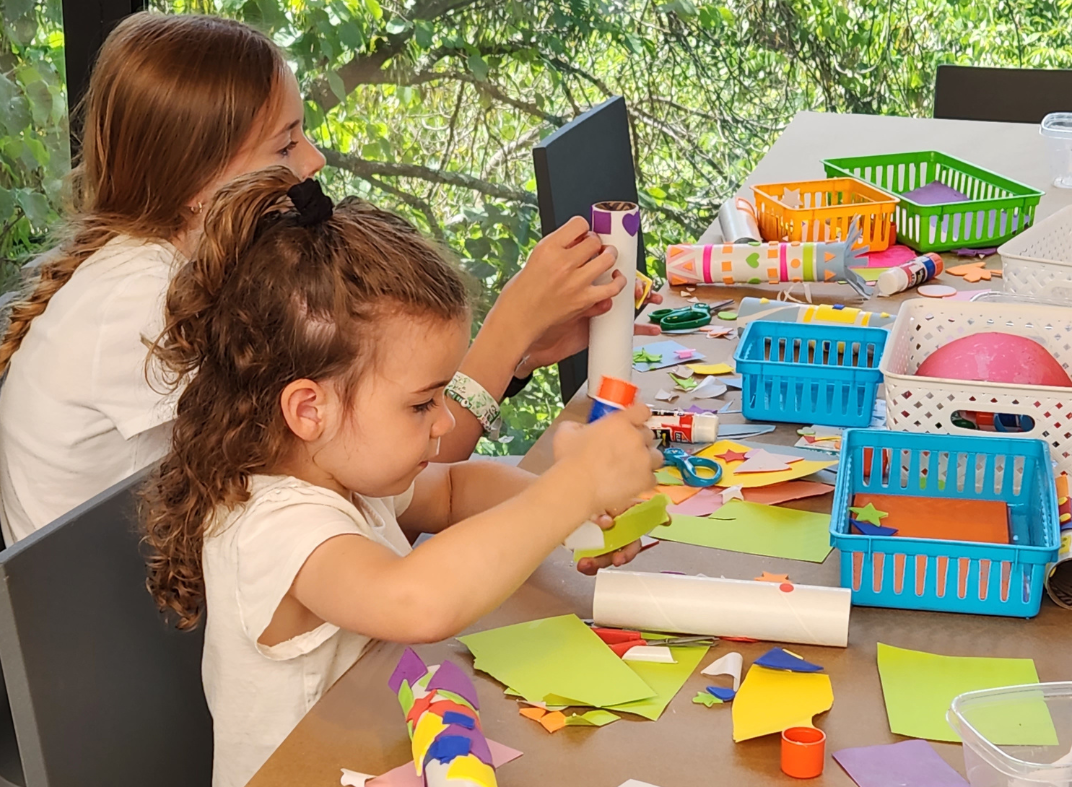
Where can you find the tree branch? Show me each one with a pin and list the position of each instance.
(414, 202)
(364, 168)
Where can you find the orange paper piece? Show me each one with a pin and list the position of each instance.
(553, 721)
(973, 271)
(533, 713)
(954, 519)
(786, 491)
(677, 494)
(768, 577)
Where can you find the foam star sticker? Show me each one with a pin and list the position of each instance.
(766, 576)
(729, 455)
(868, 514)
(973, 271)
(732, 493)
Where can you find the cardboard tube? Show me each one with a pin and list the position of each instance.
(677, 604)
(737, 220)
(610, 335)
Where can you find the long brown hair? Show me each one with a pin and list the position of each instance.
(170, 102)
(266, 301)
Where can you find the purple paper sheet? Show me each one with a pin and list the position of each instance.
(406, 775)
(410, 669)
(697, 409)
(908, 764)
(935, 193)
(449, 677)
(984, 252)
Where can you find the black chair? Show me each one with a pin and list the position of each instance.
(102, 689)
(1011, 95)
(588, 160)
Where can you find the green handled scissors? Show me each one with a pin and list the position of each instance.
(683, 319)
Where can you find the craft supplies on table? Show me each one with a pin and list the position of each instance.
(980, 717)
(737, 220)
(941, 575)
(909, 274)
(1037, 263)
(770, 263)
(809, 373)
(822, 210)
(931, 404)
(684, 319)
(678, 426)
(677, 604)
(978, 207)
(752, 309)
(610, 335)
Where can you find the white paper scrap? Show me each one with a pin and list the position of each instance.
(730, 664)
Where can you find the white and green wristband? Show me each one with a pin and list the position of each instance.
(471, 395)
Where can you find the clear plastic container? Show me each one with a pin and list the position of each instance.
(1018, 736)
(1057, 129)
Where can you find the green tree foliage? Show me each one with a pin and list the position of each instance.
(432, 107)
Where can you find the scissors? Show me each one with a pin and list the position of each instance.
(689, 465)
(622, 640)
(686, 318)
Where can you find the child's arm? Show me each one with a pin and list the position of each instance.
(450, 581)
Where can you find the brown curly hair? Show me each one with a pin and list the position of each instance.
(266, 301)
(170, 102)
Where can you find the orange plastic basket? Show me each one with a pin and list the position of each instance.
(823, 209)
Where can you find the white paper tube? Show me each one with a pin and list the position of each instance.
(737, 220)
(676, 604)
(610, 335)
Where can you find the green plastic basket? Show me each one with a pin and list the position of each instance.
(997, 208)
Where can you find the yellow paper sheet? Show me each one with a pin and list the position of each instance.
(711, 368)
(770, 701)
(796, 470)
(472, 769)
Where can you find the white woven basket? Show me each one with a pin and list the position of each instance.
(1037, 263)
(926, 404)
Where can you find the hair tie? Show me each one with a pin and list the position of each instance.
(312, 204)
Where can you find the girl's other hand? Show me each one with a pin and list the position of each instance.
(646, 328)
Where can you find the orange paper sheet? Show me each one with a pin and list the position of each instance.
(982, 521)
(677, 494)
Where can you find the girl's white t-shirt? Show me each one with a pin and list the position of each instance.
(77, 413)
(256, 693)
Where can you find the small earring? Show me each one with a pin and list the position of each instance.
(196, 210)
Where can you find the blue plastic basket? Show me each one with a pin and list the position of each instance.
(937, 574)
(809, 373)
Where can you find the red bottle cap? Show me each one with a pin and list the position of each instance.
(803, 752)
(616, 391)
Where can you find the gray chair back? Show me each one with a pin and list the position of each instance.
(588, 160)
(103, 691)
(1011, 95)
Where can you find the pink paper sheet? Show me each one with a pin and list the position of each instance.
(406, 775)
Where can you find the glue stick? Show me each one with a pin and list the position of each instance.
(909, 274)
(681, 427)
(613, 395)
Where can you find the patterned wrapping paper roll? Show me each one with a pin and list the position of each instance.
(769, 263)
(610, 335)
(441, 707)
(752, 309)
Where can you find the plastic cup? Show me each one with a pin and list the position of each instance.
(803, 752)
(1057, 130)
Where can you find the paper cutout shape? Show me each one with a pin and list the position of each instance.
(709, 388)
(410, 669)
(557, 656)
(446, 747)
(762, 461)
(635, 783)
(724, 694)
(733, 382)
(934, 193)
(954, 519)
(703, 698)
(867, 529)
(800, 469)
(428, 728)
(664, 351)
(936, 290)
(731, 455)
(768, 577)
(684, 354)
(473, 769)
(770, 701)
(593, 718)
(354, 779)
(711, 368)
(666, 396)
(677, 494)
(704, 503)
(730, 664)
(665, 680)
(450, 677)
(732, 493)
(778, 658)
(554, 721)
(868, 514)
(453, 717)
(406, 776)
(629, 526)
(587, 536)
(533, 713)
(919, 687)
(973, 271)
(653, 654)
(684, 383)
(898, 764)
(665, 477)
(755, 529)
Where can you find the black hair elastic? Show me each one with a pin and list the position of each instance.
(312, 204)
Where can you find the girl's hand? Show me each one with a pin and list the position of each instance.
(615, 454)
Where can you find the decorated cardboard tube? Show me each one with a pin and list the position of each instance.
(610, 335)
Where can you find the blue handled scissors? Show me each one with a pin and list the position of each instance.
(690, 465)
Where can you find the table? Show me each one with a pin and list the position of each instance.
(358, 723)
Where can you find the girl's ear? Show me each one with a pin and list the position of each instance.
(305, 409)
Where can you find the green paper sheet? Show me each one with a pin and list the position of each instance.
(556, 656)
(594, 718)
(664, 477)
(638, 521)
(704, 698)
(919, 688)
(755, 529)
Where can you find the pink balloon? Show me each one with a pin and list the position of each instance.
(995, 358)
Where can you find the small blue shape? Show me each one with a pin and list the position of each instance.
(446, 748)
(867, 529)
(453, 717)
(839, 306)
(776, 658)
(726, 695)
